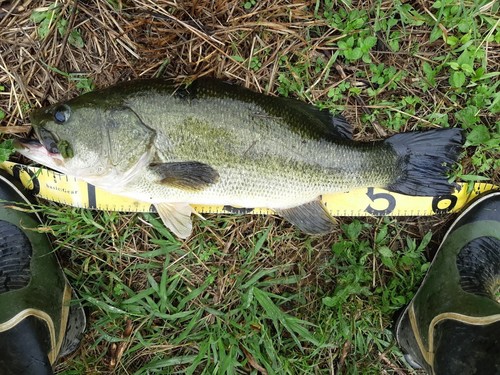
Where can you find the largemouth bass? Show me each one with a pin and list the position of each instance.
(219, 144)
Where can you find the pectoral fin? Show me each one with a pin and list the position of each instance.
(310, 217)
(176, 217)
(190, 175)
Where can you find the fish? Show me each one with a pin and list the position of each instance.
(216, 143)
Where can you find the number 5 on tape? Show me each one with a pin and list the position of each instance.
(380, 202)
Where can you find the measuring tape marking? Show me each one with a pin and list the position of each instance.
(371, 201)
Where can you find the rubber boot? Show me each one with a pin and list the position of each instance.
(38, 324)
(452, 325)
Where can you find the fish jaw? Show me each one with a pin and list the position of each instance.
(107, 178)
(35, 151)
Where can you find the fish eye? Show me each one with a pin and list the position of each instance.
(61, 114)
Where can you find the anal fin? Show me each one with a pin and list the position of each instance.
(310, 217)
(176, 217)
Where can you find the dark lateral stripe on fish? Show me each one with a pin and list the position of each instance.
(425, 160)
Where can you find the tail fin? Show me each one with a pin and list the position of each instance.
(425, 158)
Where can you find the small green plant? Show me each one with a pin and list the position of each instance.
(83, 83)
(249, 4)
(384, 78)
(47, 18)
(288, 82)
(254, 63)
(430, 74)
(358, 38)
(6, 149)
(409, 15)
(337, 93)
(462, 68)
(483, 140)
(381, 74)
(385, 23)
(353, 49)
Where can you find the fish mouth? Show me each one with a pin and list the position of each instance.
(41, 148)
(47, 139)
(42, 138)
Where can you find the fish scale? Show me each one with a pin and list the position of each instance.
(214, 139)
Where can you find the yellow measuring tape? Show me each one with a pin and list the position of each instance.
(68, 190)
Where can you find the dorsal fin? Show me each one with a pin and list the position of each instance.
(331, 126)
(301, 117)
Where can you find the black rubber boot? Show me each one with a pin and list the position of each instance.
(37, 323)
(452, 325)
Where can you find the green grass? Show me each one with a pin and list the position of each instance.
(6, 149)
(251, 294)
(271, 299)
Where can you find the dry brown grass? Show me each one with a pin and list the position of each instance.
(188, 39)
(197, 38)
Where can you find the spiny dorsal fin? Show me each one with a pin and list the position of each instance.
(189, 175)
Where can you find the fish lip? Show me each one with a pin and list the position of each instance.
(47, 139)
(42, 138)
(33, 149)
(33, 142)
(21, 144)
